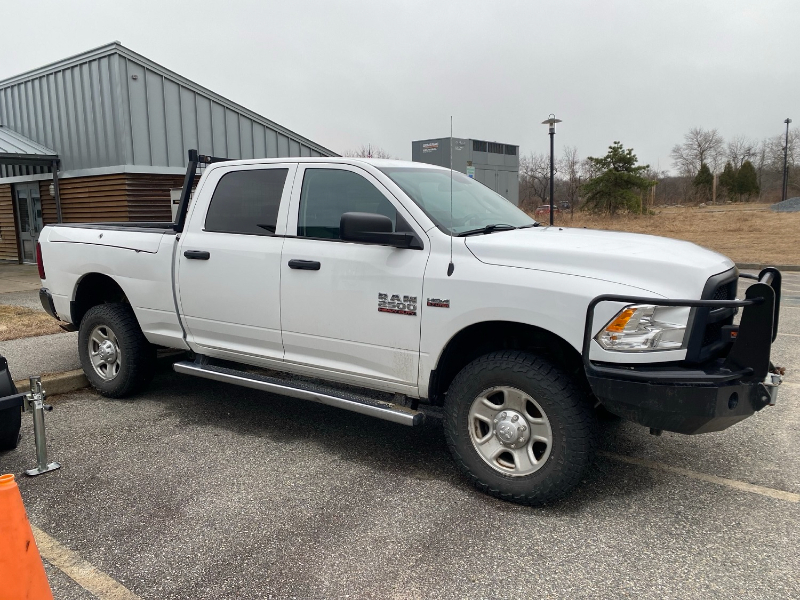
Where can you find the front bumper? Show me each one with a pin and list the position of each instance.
(682, 408)
(687, 399)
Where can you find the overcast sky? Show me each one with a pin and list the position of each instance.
(349, 73)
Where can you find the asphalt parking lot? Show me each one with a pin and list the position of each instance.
(197, 489)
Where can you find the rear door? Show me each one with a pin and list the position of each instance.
(357, 312)
(229, 263)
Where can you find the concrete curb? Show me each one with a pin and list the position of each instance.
(69, 381)
(58, 383)
(761, 266)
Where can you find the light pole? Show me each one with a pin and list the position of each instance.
(552, 123)
(785, 187)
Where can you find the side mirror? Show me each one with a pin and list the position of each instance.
(371, 228)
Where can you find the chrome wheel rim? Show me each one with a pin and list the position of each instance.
(510, 431)
(104, 352)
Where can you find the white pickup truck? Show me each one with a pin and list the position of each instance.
(396, 289)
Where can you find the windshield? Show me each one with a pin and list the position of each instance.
(474, 205)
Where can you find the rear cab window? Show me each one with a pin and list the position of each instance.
(246, 202)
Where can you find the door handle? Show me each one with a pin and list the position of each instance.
(197, 254)
(306, 265)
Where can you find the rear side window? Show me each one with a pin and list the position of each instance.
(329, 193)
(247, 202)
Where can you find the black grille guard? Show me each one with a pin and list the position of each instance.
(748, 359)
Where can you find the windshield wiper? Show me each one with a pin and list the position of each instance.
(487, 229)
(534, 224)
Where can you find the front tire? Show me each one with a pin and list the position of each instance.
(116, 357)
(519, 428)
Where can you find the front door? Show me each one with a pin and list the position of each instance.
(29, 219)
(349, 308)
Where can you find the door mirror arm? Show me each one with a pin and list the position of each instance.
(398, 240)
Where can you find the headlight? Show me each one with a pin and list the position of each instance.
(644, 328)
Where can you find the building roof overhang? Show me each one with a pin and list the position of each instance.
(16, 149)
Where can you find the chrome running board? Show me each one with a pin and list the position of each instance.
(304, 390)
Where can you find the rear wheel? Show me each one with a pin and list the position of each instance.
(519, 428)
(116, 357)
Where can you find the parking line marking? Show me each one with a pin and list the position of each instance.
(80, 571)
(731, 483)
(791, 334)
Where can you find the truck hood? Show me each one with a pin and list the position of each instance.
(663, 266)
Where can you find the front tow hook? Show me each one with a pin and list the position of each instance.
(768, 390)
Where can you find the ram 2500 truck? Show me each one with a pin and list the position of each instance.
(396, 289)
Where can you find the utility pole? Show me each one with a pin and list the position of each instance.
(552, 130)
(714, 189)
(785, 187)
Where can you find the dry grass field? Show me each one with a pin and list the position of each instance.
(18, 321)
(749, 233)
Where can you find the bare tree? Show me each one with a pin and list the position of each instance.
(369, 151)
(775, 149)
(699, 146)
(534, 178)
(572, 170)
(760, 163)
(768, 160)
(739, 150)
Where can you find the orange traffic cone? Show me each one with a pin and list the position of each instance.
(22, 575)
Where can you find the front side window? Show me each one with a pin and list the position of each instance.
(473, 204)
(329, 193)
(247, 202)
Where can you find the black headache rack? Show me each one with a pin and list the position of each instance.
(196, 160)
(689, 397)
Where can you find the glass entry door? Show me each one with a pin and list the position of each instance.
(29, 215)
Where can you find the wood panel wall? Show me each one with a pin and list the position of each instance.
(100, 198)
(148, 196)
(49, 215)
(117, 197)
(8, 227)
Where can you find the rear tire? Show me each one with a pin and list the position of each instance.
(116, 357)
(519, 428)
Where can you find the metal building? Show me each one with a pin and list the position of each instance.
(494, 165)
(115, 128)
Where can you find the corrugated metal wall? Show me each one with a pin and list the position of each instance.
(166, 119)
(113, 109)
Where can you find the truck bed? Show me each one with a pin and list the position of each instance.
(149, 226)
(137, 256)
(141, 237)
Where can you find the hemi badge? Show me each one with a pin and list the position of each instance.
(438, 303)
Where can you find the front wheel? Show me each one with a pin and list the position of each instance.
(519, 428)
(116, 357)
